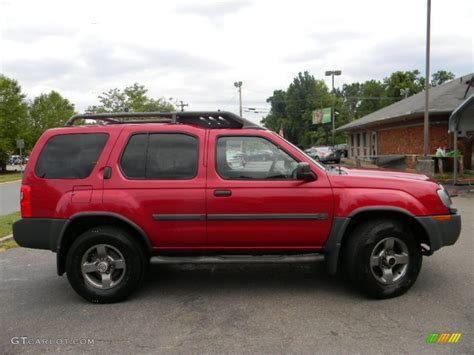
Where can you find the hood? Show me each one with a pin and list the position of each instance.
(368, 178)
(387, 174)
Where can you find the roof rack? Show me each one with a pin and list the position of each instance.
(206, 119)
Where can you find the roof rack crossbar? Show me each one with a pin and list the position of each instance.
(207, 119)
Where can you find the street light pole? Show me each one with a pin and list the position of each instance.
(426, 122)
(238, 84)
(332, 73)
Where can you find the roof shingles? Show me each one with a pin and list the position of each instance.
(444, 98)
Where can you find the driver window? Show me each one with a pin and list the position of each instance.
(252, 158)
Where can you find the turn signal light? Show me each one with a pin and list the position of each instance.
(447, 217)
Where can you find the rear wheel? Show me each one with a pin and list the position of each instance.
(382, 258)
(105, 265)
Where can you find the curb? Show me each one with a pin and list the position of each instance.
(9, 182)
(6, 239)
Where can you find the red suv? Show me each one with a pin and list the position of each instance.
(212, 187)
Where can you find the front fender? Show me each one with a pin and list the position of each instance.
(349, 201)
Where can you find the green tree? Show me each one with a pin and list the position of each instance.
(277, 116)
(351, 97)
(440, 77)
(13, 114)
(373, 97)
(411, 81)
(304, 95)
(47, 111)
(133, 99)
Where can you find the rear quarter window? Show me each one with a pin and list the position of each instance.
(70, 156)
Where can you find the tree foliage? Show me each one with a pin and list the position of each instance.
(13, 114)
(133, 99)
(291, 108)
(411, 82)
(47, 111)
(440, 77)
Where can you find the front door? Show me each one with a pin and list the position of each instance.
(254, 200)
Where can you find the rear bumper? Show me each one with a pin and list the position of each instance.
(38, 233)
(441, 232)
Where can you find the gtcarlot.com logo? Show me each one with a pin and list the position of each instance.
(49, 341)
(443, 338)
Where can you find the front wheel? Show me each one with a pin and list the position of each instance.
(382, 258)
(105, 264)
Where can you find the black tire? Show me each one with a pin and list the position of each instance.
(357, 253)
(114, 237)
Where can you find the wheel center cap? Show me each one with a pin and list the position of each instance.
(102, 267)
(389, 261)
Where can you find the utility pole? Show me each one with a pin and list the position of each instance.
(426, 122)
(182, 105)
(238, 85)
(332, 73)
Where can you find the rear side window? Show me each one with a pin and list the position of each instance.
(160, 156)
(70, 156)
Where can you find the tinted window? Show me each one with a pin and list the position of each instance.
(160, 156)
(70, 156)
(252, 158)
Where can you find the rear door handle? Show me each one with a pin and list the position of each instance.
(222, 193)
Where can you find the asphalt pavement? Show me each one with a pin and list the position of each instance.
(9, 197)
(240, 308)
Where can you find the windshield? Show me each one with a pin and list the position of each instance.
(319, 164)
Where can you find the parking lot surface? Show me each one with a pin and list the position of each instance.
(241, 308)
(9, 197)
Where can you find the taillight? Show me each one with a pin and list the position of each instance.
(25, 201)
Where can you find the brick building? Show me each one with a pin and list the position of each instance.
(395, 132)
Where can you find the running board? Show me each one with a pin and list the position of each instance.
(237, 259)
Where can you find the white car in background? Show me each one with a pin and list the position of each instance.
(324, 154)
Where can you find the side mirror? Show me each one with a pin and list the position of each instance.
(303, 172)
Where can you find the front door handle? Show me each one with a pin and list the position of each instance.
(222, 193)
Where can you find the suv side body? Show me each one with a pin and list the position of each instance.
(169, 188)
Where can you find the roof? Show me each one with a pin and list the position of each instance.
(462, 118)
(444, 98)
(205, 119)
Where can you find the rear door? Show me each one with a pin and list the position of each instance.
(158, 181)
(254, 200)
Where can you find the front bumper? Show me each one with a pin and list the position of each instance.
(38, 233)
(441, 231)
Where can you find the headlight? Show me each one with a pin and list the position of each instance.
(445, 199)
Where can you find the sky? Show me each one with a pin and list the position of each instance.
(194, 51)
